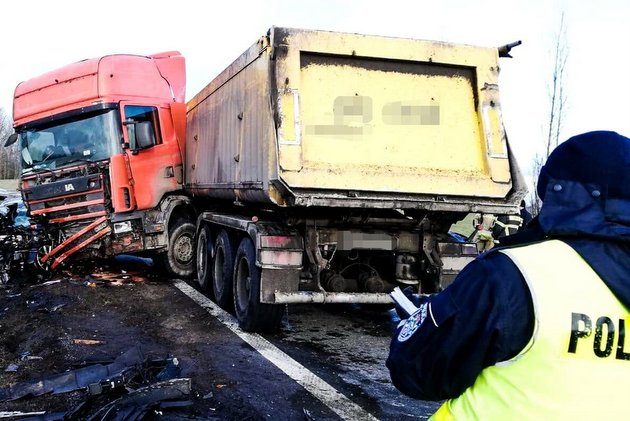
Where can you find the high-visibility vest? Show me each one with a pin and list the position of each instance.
(506, 225)
(576, 366)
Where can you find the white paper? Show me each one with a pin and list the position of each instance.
(403, 302)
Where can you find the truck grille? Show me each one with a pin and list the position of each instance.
(76, 208)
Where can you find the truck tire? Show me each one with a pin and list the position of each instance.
(179, 259)
(252, 315)
(222, 271)
(204, 258)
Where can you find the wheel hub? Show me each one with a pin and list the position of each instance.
(183, 249)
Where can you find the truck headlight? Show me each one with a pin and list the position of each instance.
(122, 227)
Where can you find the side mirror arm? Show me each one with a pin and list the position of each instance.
(11, 139)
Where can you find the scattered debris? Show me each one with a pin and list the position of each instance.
(55, 308)
(12, 368)
(127, 364)
(88, 342)
(137, 404)
(44, 284)
(130, 388)
(307, 414)
(15, 414)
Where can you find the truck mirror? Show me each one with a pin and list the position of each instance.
(145, 137)
(11, 139)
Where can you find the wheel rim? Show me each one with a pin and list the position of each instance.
(243, 283)
(43, 250)
(219, 259)
(183, 249)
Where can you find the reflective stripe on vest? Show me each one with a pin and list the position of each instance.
(577, 363)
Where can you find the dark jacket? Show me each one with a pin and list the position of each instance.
(486, 315)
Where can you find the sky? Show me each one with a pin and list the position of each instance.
(39, 36)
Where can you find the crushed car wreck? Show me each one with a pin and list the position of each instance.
(20, 241)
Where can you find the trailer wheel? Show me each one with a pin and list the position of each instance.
(252, 315)
(222, 271)
(179, 259)
(204, 259)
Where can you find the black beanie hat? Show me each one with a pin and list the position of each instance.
(601, 158)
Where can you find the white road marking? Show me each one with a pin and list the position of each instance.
(327, 394)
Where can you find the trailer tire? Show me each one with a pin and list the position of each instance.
(179, 259)
(222, 271)
(204, 259)
(252, 315)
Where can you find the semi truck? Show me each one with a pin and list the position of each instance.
(319, 167)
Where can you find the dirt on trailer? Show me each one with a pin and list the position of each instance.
(95, 315)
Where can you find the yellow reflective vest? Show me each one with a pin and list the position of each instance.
(576, 366)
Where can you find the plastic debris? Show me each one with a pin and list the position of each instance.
(12, 368)
(88, 342)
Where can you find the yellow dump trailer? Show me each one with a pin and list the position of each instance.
(313, 118)
(328, 167)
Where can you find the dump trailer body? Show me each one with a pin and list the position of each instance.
(312, 118)
(329, 167)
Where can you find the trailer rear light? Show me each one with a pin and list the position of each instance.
(281, 258)
(280, 242)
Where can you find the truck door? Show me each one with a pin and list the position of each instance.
(152, 150)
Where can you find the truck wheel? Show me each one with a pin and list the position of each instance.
(252, 315)
(204, 259)
(222, 271)
(179, 259)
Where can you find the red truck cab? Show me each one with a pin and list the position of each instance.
(102, 147)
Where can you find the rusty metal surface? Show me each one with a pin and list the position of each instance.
(230, 125)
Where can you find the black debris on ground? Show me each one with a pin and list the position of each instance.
(60, 339)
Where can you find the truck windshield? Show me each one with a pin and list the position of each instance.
(88, 137)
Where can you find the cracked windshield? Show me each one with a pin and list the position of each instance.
(85, 138)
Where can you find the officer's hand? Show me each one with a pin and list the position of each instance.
(414, 298)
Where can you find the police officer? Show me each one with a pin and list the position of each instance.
(540, 328)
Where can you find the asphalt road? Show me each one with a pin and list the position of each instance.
(326, 363)
(346, 347)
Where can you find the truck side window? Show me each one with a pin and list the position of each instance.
(143, 126)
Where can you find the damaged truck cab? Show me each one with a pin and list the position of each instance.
(102, 150)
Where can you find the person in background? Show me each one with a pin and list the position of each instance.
(506, 225)
(525, 215)
(537, 329)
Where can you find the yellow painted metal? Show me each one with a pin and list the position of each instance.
(390, 115)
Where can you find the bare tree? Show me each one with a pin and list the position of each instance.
(557, 108)
(9, 156)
